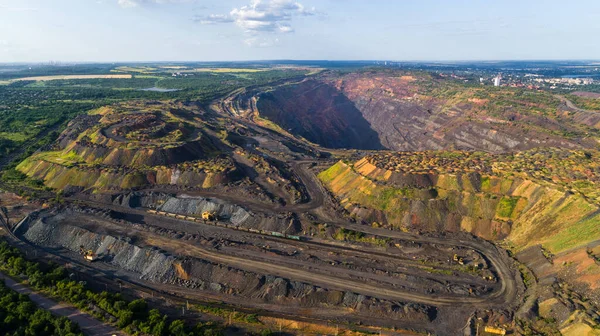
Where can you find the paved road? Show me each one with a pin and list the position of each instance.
(88, 324)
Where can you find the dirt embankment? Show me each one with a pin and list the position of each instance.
(234, 215)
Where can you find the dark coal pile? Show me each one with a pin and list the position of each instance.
(224, 211)
(51, 229)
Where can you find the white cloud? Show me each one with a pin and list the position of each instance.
(136, 3)
(17, 9)
(261, 16)
(213, 19)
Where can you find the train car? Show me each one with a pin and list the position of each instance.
(277, 234)
(152, 211)
(254, 230)
(162, 213)
(294, 237)
(180, 216)
(171, 214)
(191, 219)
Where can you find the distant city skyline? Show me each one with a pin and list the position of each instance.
(239, 30)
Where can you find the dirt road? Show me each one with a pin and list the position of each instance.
(88, 324)
(572, 106)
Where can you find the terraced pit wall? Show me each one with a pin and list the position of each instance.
(157, 266)
(523, 212)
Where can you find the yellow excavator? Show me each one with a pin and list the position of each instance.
(208, 216)
(88, 255)
(458, 259)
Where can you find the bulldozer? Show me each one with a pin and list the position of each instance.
(208, 216)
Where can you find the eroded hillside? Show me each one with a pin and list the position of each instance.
(134, 145)
(529, 198)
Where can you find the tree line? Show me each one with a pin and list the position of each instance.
(133, 317)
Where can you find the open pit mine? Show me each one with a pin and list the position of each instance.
(290, 200)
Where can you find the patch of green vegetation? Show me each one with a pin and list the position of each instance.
(506, 206)
(526, 275)
(574, 235)
(228, 314)
(585, 103)
(356, 236)
(331, 173)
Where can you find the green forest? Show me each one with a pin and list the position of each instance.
(19, 316)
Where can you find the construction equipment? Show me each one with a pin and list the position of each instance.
(495, 330)
(208, 216)
(458, 259)
(88, 255)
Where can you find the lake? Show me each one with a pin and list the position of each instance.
(155, 89)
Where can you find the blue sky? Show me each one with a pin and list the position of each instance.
(213, 30)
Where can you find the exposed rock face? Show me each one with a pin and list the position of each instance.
(154, 265)
(374, 110)
(319, 113)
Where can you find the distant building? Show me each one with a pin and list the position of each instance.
(497, 80)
